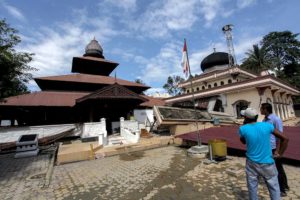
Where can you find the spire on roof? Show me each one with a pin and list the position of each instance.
(94, 49)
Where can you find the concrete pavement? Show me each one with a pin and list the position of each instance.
(161, 173)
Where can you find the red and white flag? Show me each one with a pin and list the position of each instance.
(185, 61)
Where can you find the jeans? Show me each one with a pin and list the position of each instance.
(269, 174)
(282, 179)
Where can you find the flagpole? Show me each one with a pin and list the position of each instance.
(193, 96)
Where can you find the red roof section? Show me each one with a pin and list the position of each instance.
(152, 101)
(96, 59)
(114, 91)
(230, 134)
(87, 78)
(44, 98)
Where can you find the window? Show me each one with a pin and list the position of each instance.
(240, 105)
(197, 89)
(218, 106)
(229, 81)
(187, 91)
(222, 82)
(216, 84)
(209, 86)
(203, 88)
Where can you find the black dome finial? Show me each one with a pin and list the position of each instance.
(214, 60)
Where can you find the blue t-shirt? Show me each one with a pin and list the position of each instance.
(257, 137)
(277, 123)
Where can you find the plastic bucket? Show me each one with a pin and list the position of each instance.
(219, 148)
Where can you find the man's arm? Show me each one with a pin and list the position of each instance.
(242, 139)
(279, 126)
(283, 141)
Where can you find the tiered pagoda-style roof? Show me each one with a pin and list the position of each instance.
(85, 82)
(87, 95)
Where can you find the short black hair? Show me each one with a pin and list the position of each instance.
(268, 107)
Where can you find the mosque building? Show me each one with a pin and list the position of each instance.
(88, 94)
(228, 90)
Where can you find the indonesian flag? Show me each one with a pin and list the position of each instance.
(184, 61)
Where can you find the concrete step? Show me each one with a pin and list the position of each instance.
(116, 140)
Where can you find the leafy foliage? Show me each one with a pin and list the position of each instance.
(281, 49)
(256, 60)
(14, 68)
(172, 85)
(280, 53)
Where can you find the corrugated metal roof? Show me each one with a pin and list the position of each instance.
(44, 98)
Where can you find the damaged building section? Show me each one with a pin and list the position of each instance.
(183, 120)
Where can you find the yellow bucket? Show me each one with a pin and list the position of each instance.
(219, 148)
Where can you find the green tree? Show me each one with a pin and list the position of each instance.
(140, 81)
(172, 85)
(280, 53)
(282, 49)
(256, 60)
(14, 68)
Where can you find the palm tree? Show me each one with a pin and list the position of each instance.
(256, 60)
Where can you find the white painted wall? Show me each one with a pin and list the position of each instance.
(141, 115)
(129, 129)
(95, 129)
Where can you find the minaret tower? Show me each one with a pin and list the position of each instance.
(231, 55)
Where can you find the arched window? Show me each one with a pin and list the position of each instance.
(240, 105)
(216, 84)
(229, 81)
(209, 86)
(203, 88)
(197, 89)
(187, 91)
(222, 82)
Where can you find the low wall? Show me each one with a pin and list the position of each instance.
(130, 130)
(95, 129)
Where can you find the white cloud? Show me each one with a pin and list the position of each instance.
(55, 47)
(210, 9)
(127, 5)
(164, 64)
(153, 91)
(245, 3)
(161, 17)
(243, 45)
(15, 12)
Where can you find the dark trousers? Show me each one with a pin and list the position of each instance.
(282, 179)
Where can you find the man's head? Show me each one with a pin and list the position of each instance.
(266, 109)
(250, 115)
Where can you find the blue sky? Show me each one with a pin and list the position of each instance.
(145, 37)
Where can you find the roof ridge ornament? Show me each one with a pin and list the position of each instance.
(94, 49)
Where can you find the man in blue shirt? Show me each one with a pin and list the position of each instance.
(267, 110)
(260, 162)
